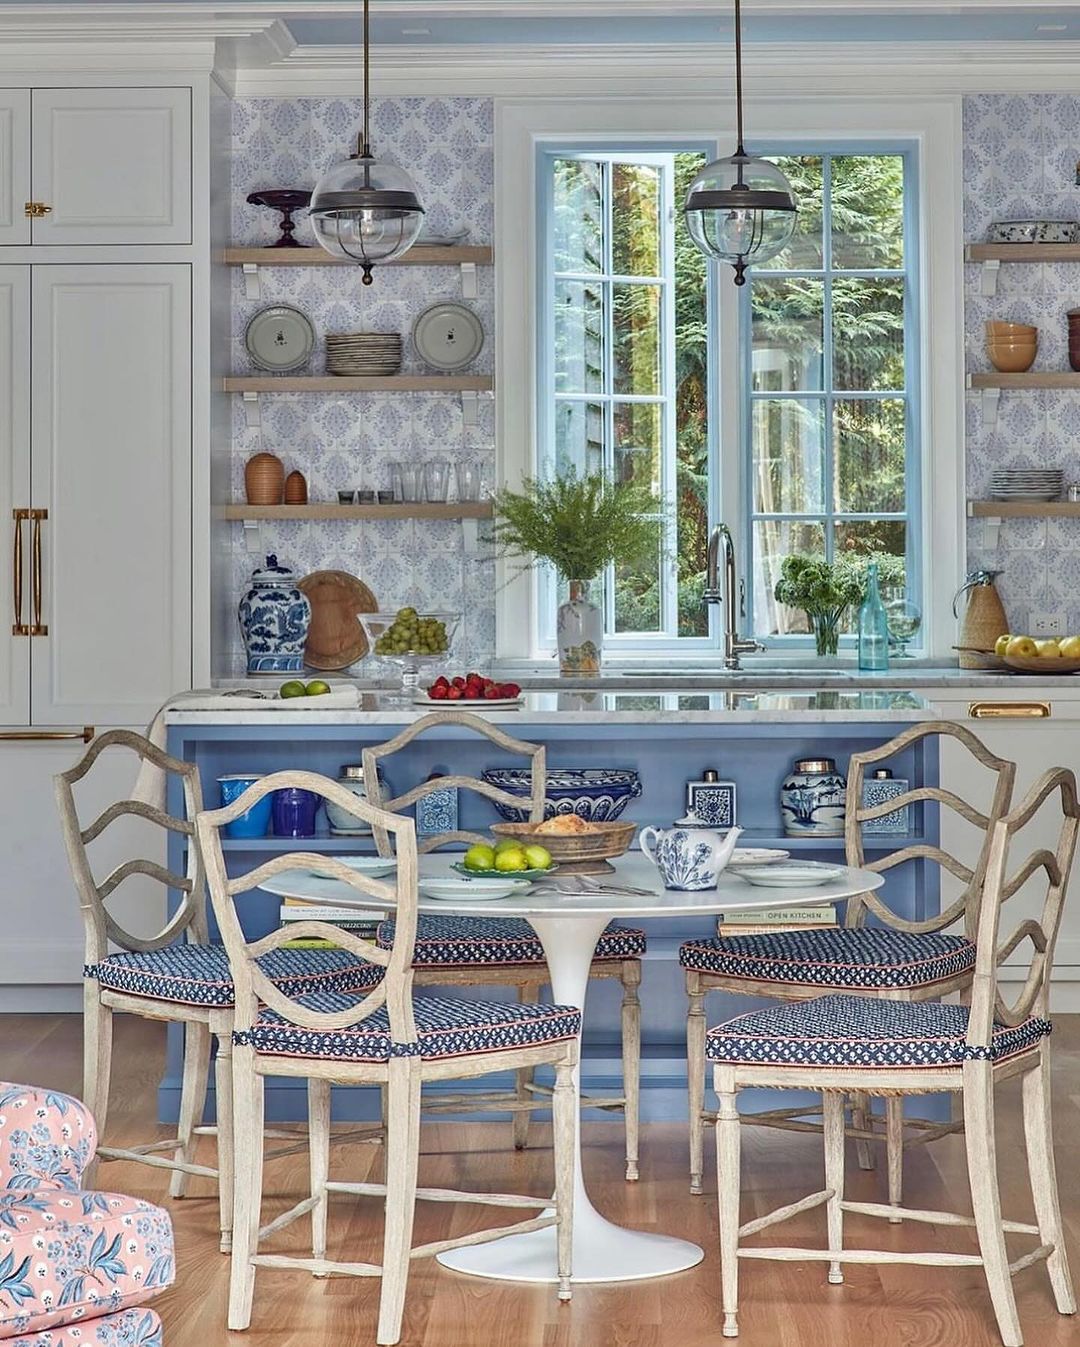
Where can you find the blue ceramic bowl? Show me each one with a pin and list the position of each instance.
(256, 821)
(596, 794)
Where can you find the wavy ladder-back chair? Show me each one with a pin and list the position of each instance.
(844, 1045)
(175, 975)
(897, 960)
(473, 951)
(380, 1035)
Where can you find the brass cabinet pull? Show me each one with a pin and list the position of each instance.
(33, 736)
(38, 629)
(35, 210)
(1009, 710)
(18, 627)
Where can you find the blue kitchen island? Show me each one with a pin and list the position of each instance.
(670, 738)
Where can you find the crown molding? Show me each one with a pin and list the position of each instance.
(808, 69)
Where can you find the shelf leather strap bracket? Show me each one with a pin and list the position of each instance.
(253, 536)
(468, 280)
(988, 279)
(252, 284)
(252, 415)
(991, 397)
(470, 408)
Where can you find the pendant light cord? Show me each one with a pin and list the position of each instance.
(740, 149)
(365, 148)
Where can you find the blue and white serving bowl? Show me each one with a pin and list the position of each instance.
(595, 794)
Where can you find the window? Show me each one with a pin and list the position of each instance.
(830, 409)
(826, 457)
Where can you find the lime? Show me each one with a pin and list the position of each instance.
(539, 858)
(317, 688)
(511, 860)
(479, 857)
(507, 844)
(293, 688)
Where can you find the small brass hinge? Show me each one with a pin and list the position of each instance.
(36, 209)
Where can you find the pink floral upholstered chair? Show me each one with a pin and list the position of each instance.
(76, 1267)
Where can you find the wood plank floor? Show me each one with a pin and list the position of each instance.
(783, 1305)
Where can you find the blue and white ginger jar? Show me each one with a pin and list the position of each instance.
(812, 799)
(274, 619)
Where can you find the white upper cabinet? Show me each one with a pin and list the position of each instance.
(14, 165)
(111, 462)
(112, 165)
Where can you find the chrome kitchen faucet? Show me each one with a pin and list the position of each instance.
(734, 644)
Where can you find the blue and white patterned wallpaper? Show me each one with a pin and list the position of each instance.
(346, 441)
(1020, 162)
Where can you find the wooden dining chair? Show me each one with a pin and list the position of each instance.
(896, 959)
(174, 974)
(380, 1035)
(472, 951)
(845, 1045)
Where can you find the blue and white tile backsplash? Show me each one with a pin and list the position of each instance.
(348, 441)
(1020, 162)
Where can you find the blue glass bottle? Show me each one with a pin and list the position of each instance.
(873, 627)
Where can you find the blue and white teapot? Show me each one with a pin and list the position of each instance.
(689, 858)
(274, 619)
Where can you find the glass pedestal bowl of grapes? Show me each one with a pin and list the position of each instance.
(412, 640)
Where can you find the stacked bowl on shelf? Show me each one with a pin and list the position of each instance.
(363, 354)
(1012, 347)
(1027, 484)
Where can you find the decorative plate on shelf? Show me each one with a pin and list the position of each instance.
(280, 339)
(448, 336)
(335, 638)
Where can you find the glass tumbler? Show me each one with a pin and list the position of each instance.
(436, 479)
(408, 482)
(467, 476)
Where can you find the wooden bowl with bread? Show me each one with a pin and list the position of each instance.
(574, 844)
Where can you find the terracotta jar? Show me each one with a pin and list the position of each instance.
(264, 479)
(296, 489)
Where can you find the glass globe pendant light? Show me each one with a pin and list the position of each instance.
(739, 209)
(362, 210)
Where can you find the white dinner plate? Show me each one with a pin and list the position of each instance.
(469, 703)
(756, 856)
(448, 336)
(791, 874)
(470, 890)
(371, 867)
(280, 339)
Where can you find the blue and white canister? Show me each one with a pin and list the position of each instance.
(437, 812)
(879, 789)
(274, 619)
(711, 800)
(812, 799)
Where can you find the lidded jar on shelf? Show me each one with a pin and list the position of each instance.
(274, 618)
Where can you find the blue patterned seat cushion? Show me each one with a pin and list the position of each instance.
(461, 942)
(445, 1028)
(198, 975)
(837, 958)
(862, 1032)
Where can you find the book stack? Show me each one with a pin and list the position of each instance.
(756, 922)
(354, 920)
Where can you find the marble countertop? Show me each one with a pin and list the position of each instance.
(903, 676)
(644, 706)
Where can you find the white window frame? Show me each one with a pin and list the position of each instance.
(932, 123)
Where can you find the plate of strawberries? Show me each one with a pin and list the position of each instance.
(470, 690)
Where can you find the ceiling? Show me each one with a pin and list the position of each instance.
(547, 23)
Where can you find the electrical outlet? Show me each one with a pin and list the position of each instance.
(1046, 622)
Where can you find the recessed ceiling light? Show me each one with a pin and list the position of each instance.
(416, 32)
(1051, 27)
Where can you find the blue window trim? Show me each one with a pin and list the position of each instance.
(545, 151)
(911, 272)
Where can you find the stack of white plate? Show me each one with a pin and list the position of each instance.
(363, 354)
(1027, 483)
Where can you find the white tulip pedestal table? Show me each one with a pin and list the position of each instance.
(569, 925)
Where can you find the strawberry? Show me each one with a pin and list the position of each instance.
(454, 694)
(511, 690)
(459, 682)
(439, 693)
(492, 694)
(441, 682)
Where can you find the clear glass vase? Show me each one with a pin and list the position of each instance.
(826, 631)
(580, 633)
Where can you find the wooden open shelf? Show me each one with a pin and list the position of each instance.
(334, 383)
(1023, 509)
(477, 509)
(1030, 379)
(420, 255)
(1022, 252)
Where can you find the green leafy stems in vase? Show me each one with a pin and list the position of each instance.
(580, 525)
(825, 590)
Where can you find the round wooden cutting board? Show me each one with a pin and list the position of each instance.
(335, 638)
